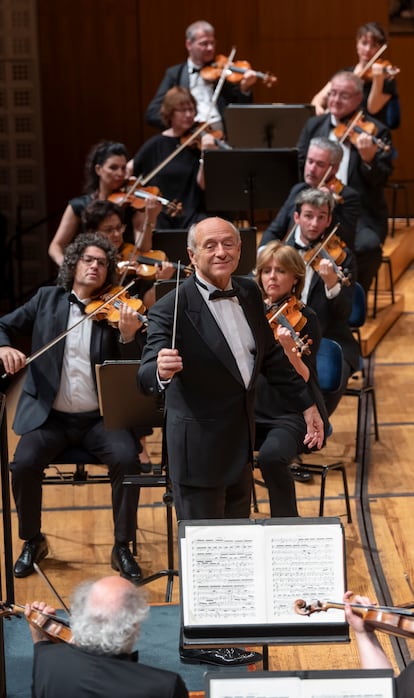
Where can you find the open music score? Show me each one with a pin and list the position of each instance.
(323, 684)
(239, 579)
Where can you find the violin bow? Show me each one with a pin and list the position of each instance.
(322, 245)
(63, 334)
(351, 126)
(47, 581)
(177, 284)
(372, 60)
(222, 78)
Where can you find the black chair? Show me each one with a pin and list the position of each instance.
(365, 390)
(330, 372)
(329, 364)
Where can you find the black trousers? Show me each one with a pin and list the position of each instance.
(36, 449)
(224, 502)
(278, 444)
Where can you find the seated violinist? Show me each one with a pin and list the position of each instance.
(280, 430)
(200, 43)
(107, 218)
(105, 172)
(321, 165)
(365, 166)
(371, 654)
(58, 406)
(100, 660)
(380, 86)
(182, 177)
(328, 288)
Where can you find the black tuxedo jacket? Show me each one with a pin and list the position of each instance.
(43, 318)
(345, 213)
(333, 313)
(367, 180)
(178, 75)
(209, 411)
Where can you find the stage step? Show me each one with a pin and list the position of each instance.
(400, 250)
(374, 330)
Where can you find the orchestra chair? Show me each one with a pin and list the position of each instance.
(80, 457)
(329, 362)
(365, 390)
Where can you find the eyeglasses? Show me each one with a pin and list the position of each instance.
(88, 259)
(114, 229)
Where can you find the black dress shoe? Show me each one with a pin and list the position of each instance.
(124, 562)
(31, 552)
(223, 656)
(300, 474)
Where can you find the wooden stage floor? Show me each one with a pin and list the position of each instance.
(379, 542)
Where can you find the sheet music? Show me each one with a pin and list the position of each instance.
(295, 687)
(252, 574)
(306, 563)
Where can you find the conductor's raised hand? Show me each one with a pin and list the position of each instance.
(169, 362)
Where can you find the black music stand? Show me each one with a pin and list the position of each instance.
(174, 244)
(266, 125)
(123, 406)
(249, 179)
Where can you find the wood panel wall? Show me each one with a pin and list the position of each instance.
(101, 61)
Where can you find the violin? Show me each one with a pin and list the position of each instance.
(388, 619)
(56, 629)
(331, 248)
(351, 130)
(234, 73)
(335, 186)
(389, 70)
(107, 306)
(289, 315)
(136, 196)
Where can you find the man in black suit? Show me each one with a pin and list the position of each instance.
(209, 374)
(58, 406)
(106, 616)
(325, 290)
(365, 166)
(207, 357)
(322, 162)
(201, 47)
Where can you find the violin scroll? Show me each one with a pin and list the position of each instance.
(306, 609)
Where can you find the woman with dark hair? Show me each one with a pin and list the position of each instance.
(105, 172)
(280, 431)
(182, 179)
(380, 88)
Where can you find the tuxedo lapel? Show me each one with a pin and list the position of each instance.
(209, 331)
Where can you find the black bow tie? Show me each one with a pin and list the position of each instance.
(302, 248)
(231, 293)
(195, 70)
(73, 299)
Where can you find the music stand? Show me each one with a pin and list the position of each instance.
(266, 125)
(249, 179)
(123, 406)
(174, 244)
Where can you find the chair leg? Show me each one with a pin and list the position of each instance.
(371, 392)
(254, 497)
(324, 473)
(346, 493)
